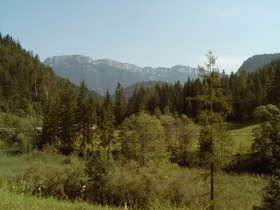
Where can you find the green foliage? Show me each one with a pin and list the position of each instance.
(3, 182)
(214, 141)
(97, 170)
(257, 61)
(267, 137)
(67, 106)
(142, 139)
(179, 133)
(120, 104)
(139, 186)
(25, 82)
(60, 181)
(13, 201)
(271, 195)
(85, 116)
(128, 184)
(107, 121)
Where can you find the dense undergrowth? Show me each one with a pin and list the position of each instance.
(47, 175)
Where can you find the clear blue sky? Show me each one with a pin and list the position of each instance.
(146, 32)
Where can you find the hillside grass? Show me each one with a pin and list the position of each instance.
(242, 137)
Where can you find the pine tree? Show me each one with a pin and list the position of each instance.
(132, 103)
(178, 97)
(120, 105)
(67, 129)
(107, 121)
(84, 115)
(50, 125)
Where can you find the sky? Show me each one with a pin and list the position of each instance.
(155, 33)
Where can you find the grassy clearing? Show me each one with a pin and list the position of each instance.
(242, 137)
(240, 192)
(13, 201)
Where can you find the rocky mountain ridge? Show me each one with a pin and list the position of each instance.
(125, 66)
(104, 74)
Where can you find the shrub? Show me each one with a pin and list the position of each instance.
(271, 196)
(139, 186)
(97, 170)
(63, 181)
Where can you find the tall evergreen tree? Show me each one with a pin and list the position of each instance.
(67, 128)
(212, 145)
(120, 105)
(84, 116)
(274, 90)
(107, 121)
(50, 125)
(178, 97)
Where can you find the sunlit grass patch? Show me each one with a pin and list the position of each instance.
(13, 201)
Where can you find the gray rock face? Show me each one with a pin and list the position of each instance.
(104, 74)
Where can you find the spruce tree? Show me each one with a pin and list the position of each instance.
(50, 125)
(67, 129)
(83, 115)
(120, 105)
(107, 121)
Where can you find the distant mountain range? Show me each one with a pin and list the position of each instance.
(257, 61)
(104, 74)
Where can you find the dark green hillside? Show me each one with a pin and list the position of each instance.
(128, 91)
(25, 83)
(257, 61)
(29, 93)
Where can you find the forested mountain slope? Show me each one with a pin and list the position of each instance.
(257, 61)
(25, 83)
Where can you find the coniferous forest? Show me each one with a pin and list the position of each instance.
(169, 145)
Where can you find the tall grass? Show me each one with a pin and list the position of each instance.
(13, 201)
(12, 165)
(240, 192)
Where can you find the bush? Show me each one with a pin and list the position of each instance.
(139, 186)
(271, 196)
(64, 181)
(97, 170)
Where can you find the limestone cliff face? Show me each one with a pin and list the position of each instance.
(104, 74)
(51, 61)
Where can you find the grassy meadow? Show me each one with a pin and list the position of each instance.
(242, 138)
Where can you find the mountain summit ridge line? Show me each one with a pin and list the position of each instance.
(104, 74)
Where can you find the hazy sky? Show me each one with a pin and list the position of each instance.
(146, 32)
